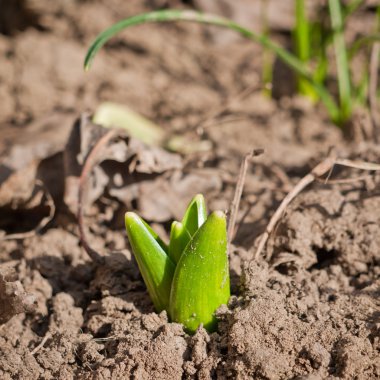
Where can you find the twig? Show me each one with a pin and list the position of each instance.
(83, 180)
(372, 89)
(358, 164)
(324, 167)
(43, 223)
(108, 338)
(239, 190)
(281, 175)
(219, 110)
(36, 349)
(318, 171)
(343, 180)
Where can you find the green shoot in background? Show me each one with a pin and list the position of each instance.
(310, 81)
(315, 41)
(302, 40)
(189, 278)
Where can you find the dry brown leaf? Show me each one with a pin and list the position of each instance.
(119, 166)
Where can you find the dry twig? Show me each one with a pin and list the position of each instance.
(44, 340)
(228, 103)
(318, 171)
(89, 164)
(343, 180)
(238, 192)
(358, 164)
(322, 168)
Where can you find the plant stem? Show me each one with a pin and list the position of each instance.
(302, 43)
(177, 15)
(267, 70)
(344, 84)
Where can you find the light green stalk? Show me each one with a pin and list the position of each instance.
(302, 44)
(344, 82)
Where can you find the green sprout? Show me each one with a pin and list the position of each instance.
(312, 80)
(190, 277)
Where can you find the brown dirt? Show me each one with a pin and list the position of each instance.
(311, 311)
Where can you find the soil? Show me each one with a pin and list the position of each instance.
(307, 308)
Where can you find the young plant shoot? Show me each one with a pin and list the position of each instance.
(190, 278)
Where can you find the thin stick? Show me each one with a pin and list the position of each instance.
(358, 164)
(318, 171)
(324, 167)
(36, 349)
(239, 191)
(372, 89)
(86, 170)
(343, 180)
(228, 103)
(281, 175)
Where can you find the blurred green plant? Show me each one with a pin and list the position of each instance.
(190, 277)
(302, 41)
(313, 41)
(311, 81)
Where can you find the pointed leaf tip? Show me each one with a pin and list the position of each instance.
(195, 215)
(179, 238)
(155, 265)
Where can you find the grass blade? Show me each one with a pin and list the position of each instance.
(155, 265)
(344, 83)
(302, 44)
(179, 15)
(351, 8)
(267, 70)
(363, 41)
(201, 280)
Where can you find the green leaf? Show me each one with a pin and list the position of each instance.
(302, 39)
(168, 15)
(155, 265)
(179, 238)
(201, 280)
(342, 66)
(195, 215)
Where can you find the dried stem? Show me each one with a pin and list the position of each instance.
(322, 168)
(83, 180)
(318, 171)
(210, 118)
(44, 340)
(239, 190)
